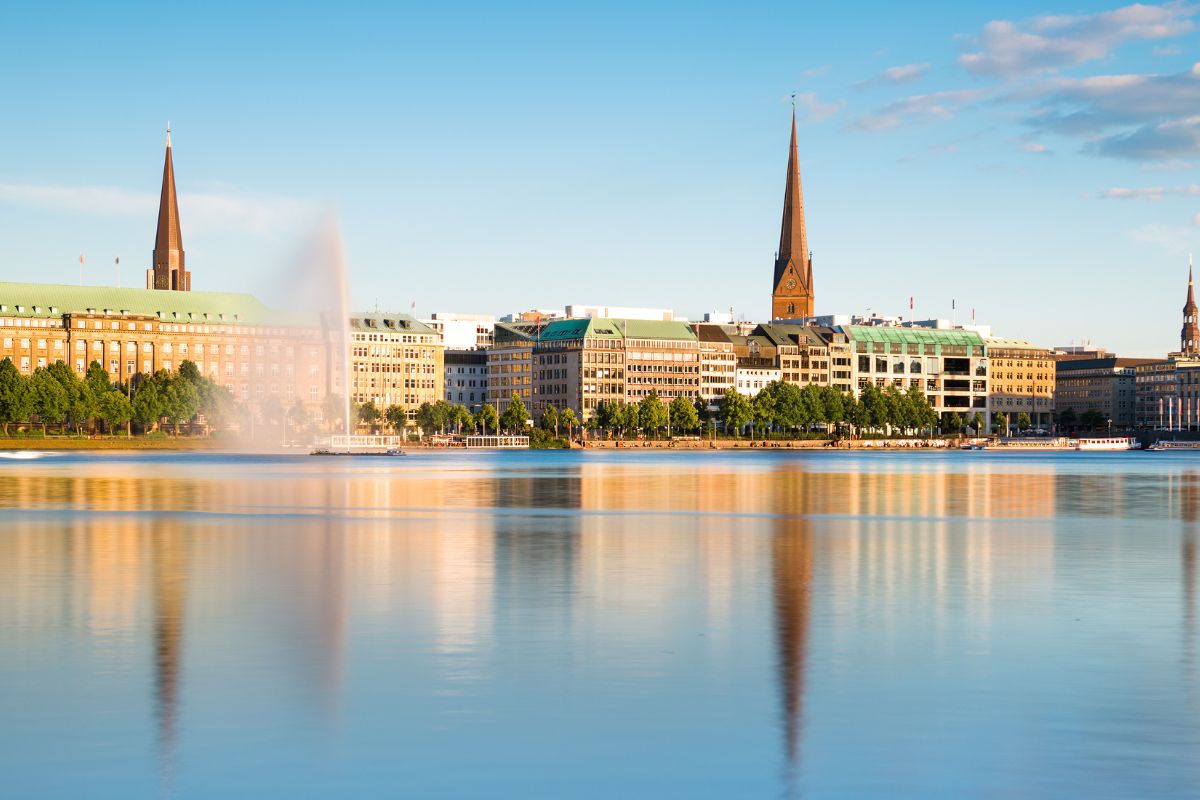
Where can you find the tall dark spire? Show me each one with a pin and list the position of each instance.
(1189, 337)
(793, 293)
(168, 266)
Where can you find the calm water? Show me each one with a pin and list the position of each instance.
(600, 625)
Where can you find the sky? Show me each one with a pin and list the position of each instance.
(1036, 162)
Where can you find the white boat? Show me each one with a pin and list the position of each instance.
(1172, 444)
(1107, 443)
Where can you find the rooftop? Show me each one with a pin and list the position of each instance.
(53, 300)
(882, 333)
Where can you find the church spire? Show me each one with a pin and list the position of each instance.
(168, 270)
(1189, 337)
(793, 293)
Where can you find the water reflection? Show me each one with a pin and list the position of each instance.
(476, 598)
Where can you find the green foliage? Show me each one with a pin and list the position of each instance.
(651, 413)
(114, 408)
(1067, 418)
(542, 439)
(487, 420)
(515, 417)
(952, 423)
(50, 400)
(368, 413)
(1000, 423)
(568, 419)
(684, 417)
(396, 417)
(1024, 423)
(550, 418)
(1093, 419)
(16, 398)
(461, 418)
(977, 422)
(734, 410)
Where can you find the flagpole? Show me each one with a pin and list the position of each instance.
(81, 269)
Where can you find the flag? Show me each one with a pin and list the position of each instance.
(952, 305)
(910, 303)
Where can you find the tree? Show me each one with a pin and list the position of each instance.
(977, 422)
(1093, 419)
(952, 423)
(1023, 421)
(79, 406)
(1067, 418)
(607, 416)
(427, 418)
(487, 419)
(50, 400)
(114, 408)
(762, 410)
(368, 414)
(461, 415)
(147, 402)
(651, 413)
(568, 418)
(396, 417)
(16, 401)
(182, 401)
(874, 408)
(334, 410)
(1000, 423)
(734, 410)
(920, 412)
(515, 416)
(550, 418)
(683, 415)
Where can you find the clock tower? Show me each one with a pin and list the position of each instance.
(792, 296)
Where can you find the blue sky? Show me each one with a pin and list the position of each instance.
(1036, 162)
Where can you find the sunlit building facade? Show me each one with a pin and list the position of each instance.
(395, 360)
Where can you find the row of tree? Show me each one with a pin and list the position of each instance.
(55, 395)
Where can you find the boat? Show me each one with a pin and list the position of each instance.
(324, 451)
(1107, 443)
(1174, 444)
(972, 446)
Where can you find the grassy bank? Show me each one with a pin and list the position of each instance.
(109, 443)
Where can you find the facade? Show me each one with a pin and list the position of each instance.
(395, 360)
(1189, 335)
(792, 295)
(1022, 381)
(950, 367)
(718, 362)
(233, 339)
(466, 378)
(582, 363)
(167, 270)
(755, 373)
(1107, 385)
(463, 331)
(510, 364)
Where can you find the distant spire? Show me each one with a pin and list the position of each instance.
(1189, 337)
(168, 259)
(793, 285)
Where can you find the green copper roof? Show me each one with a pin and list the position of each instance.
(883, 333)
(52, 300)
(603, 328)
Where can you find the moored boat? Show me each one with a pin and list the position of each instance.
(1107, 443)
(1173, 444)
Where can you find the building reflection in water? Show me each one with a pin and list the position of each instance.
(168, 586)
(792, 576)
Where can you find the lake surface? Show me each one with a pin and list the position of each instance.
(561, 624)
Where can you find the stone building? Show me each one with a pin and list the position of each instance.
(233, 339)
(1107, 385)
(1022, 381)
(949, 366)
(395, 360)
(466, 378)
(718, 361)
(510, 363)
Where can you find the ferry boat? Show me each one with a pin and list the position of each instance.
(1108, 443)
(1172, 444)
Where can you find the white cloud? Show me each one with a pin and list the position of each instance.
(1036, 148)
(895, 76)
(810, 109)
(918, 108)
(202, 211)
(1151, 193)
(1045, 43)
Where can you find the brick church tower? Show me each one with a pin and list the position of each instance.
(793, 293)
(1189, 337)
(168, 271)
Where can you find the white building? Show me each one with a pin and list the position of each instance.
(463, 331)
(579, 311)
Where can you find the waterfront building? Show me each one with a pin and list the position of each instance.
(718, 362)
(792, 293)
(1022, 381)
(1106, 384)
(755, 373)
(395, 360)
(466, 377)
(1168, 390)
(167, 270)
(233, 339)
(802, 353)
(949, 367)
(581, 363)
(1189, 336)
(510, 364)
(463, 331)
